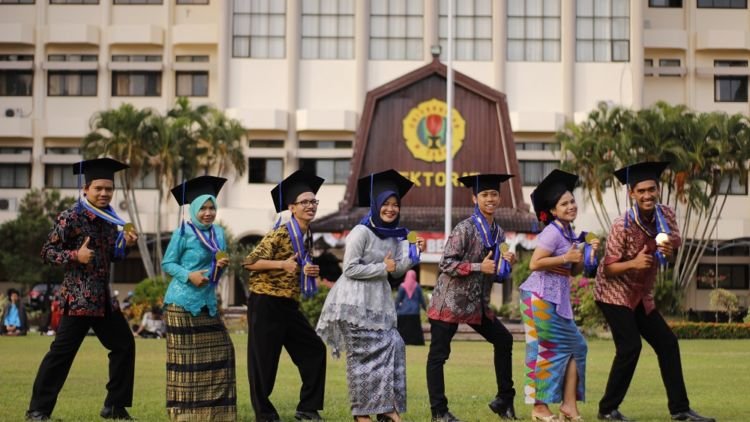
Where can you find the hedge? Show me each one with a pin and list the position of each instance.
(710, 330)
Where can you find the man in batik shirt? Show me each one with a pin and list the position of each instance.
(638, 243)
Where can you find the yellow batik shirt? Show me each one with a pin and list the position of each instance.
(275, 246)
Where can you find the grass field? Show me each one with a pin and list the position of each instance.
(717, 374)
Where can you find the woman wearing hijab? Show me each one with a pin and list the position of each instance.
(359, 315)
(408, 302)
(200, 356)
(555, 349)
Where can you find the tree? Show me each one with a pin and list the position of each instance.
(24, 236)
(121, 134)
(705, 150)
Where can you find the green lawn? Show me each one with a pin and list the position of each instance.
(717, 374)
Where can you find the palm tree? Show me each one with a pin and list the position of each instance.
(221, 141)
(120, 133)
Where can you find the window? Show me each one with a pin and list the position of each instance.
(62, 150)
(328, 29)
(72, 57)
(538, 146)
(192, 1)
(603, 30)
(192, 84)
(16, 176)
(59, 176)
(664, 3)
(472, 34)
(16, 57)
(305, 144)
(138, 1)
(396, 30)
(265, 170)
(71, 83)
(182, 59)
(145, 181)
(136, 84)
(16, 1)
(335, 171)
(73, 1)
(16, 83)
(669, 63)
(534, 30)
(732, 184)
(722, 4)
(15, 150)
(648, 65)
(266, 143)
(730, 88)
(533, 172)
(258, 29)
(729, 276)
(136, 57)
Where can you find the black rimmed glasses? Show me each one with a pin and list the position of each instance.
(307, 203)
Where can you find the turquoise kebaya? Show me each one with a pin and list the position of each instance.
(186, 254)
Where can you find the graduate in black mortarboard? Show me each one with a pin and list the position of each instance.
(555, 349)
(474, 258)
(640, 242)
(281, 271)
(359, 315)
(195, 259)
(86, 240)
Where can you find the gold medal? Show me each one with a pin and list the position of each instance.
(504, 247)
(129, 228)
(590, 237)
(221, 255)
(412, 237)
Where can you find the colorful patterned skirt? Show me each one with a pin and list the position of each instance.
(375, 370)
(551, 341)
(201, 383)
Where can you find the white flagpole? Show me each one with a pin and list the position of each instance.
(449, 127)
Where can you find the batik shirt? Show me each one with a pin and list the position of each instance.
(462, 291)
(623, 244)
(275, 246)
(85, 288)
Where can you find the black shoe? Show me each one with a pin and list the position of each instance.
(691, 415)
(445, 417)
(614, 415)
(504, 408)
(36, 415)
(302, 415)
(115, 412)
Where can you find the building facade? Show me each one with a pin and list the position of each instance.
(296, 74)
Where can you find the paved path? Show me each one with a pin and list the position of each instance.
(467, 333)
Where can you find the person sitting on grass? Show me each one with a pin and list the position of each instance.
(14, 316)
(152, 325)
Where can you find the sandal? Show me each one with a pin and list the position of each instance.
(550, 418)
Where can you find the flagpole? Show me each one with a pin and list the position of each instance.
(449, 127)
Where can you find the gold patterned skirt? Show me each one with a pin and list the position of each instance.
(201, 381)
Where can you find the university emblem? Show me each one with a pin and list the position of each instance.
(425, 129)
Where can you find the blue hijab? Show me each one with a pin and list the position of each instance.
(195, 207)
(373, 221)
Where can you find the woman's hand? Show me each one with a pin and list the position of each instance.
(390, 263)
(198, 278)
(223, 262)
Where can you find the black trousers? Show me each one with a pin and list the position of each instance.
(628, 326)
(274, 323)
(440, 349)
(114, 333)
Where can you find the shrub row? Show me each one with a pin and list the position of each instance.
(710, 330)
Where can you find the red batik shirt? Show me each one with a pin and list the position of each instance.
(85, 288)
(623, 244)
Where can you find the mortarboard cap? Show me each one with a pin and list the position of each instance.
(389, 180)
(482, 182)
(289, 189)
(98, 168)
(549, 190)
(186, 192)
(636, 173)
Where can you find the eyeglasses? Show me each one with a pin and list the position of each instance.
(307, 203)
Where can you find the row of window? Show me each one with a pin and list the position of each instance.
(97, 1)
(727, 88)
(397, 29)
(702, 4)
(78, 83)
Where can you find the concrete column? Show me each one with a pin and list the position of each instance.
(105, 76)
(690, 62)
(568, 56)
(168, 78)
(361, 51)
(499, 35)
(224, 55)
(636, 52)
(431, 36)
(293, 25)
(39, 93)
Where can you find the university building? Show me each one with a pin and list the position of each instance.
(297, 74)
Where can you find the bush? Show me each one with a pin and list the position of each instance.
(667, 296)
(313, 306)
(147, 293)
(710, 330)
(585, 311)
(725, 300)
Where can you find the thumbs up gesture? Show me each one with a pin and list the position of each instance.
(290, 264)
(198, 278)
(84, 253)
(390, 263)
(488, 265)
(573, 255)
(643, 260)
